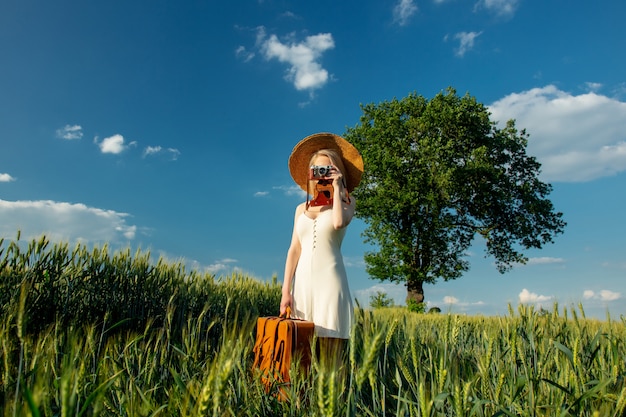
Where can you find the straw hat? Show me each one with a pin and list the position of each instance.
(302, 152)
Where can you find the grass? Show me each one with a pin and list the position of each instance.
(186, 349)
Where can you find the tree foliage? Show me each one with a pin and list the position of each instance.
(381, 300)
(438, 173)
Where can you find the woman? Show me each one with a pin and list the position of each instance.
(315, 285)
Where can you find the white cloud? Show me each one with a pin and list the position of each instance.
(6, 177)
(291, 190)
(607, 295)
(588, 294)
(290, 15)
(242, 53)
(619, 90)
(113, 144)
(287, 190)
(61, 221)
(458, 304)
(466, 41)
(173, 153)
(305, 72)
(527, 297)
(156, 150)
(354, 262)
(451, 303)
(448, 299)
(70, 132)
(576, 138)
(603, 295)
(151, 150)
(593, 86)
(499, 7)
(403, 11)
(397, 292)
(544, 260)
(220, 265)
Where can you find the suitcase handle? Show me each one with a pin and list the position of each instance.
(287, 313)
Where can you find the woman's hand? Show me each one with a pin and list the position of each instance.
(337, 178)
(285, 301)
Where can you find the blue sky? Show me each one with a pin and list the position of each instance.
(167, 126)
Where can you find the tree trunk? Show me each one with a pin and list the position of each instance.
(415, 291)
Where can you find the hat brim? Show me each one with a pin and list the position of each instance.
(302, 152)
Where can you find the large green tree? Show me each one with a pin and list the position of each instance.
(439, 173)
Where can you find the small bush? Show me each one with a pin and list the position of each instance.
(415, 307)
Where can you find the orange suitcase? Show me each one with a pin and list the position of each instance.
(278, 341)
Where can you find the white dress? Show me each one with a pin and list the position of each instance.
(320, 287)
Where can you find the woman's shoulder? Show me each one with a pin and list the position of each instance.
(300, 209)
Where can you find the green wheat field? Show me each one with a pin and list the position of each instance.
(95, 332)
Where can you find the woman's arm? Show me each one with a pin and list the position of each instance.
(293, 255)
(343, 206)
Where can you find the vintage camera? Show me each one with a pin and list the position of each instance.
(319, 171)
